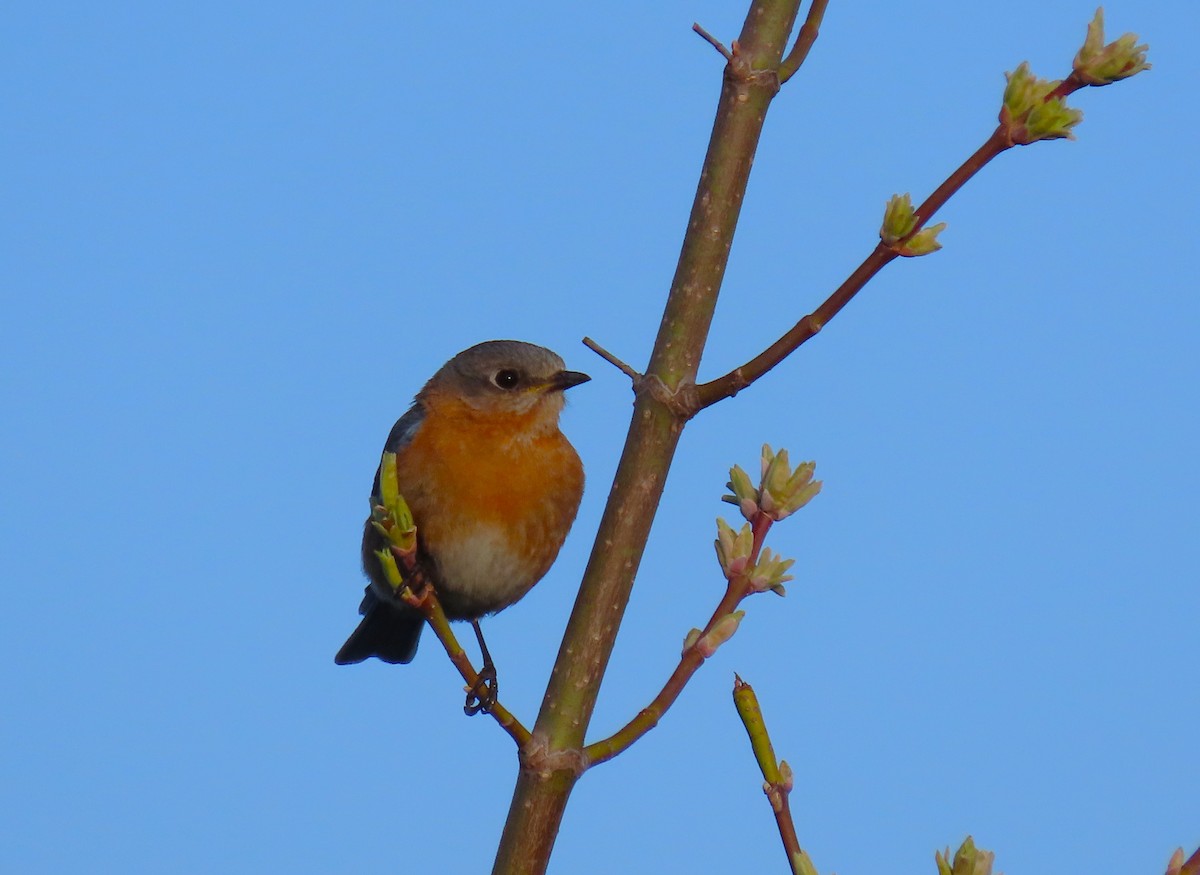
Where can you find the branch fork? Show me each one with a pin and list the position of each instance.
(681, 401)
(538, 756)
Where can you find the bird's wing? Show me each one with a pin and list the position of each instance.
(400, 436)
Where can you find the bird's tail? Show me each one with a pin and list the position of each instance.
(390, 632)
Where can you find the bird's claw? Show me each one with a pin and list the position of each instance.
(481, 695)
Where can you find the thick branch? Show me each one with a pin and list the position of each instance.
(750, 82)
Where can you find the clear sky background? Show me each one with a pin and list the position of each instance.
(238, 237)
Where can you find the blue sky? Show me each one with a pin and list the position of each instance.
(238, 237)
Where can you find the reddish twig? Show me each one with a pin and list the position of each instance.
(739, 378)
(1068, 86)
(689, 662)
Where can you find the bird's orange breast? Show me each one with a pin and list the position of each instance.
(493, 495)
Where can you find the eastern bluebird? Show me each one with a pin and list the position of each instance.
(493, 486)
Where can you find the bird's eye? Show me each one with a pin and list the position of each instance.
(507, 378)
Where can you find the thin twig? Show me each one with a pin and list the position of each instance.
(739, 378)
(611, 359)
(713, 41)
(1068, 86)
(393, 518)
(427, 603)
(809, 31)
(995, 144)
(689, 662)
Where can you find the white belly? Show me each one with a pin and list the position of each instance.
(482, 574)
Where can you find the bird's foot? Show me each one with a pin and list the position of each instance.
(481, 695)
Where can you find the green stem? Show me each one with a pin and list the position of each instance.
(775, 784)
(746, 703)
(809, 31)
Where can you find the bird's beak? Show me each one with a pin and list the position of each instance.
(566, 379)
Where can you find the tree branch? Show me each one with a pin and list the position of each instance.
(750, 83)
(739, 378)
(690, 660)
(809, 31)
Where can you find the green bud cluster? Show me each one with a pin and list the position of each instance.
(392, 518)
(968, 860)
(1099, 64)
(899, 221)
(1029, 113)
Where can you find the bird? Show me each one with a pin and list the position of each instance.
(494, 487)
